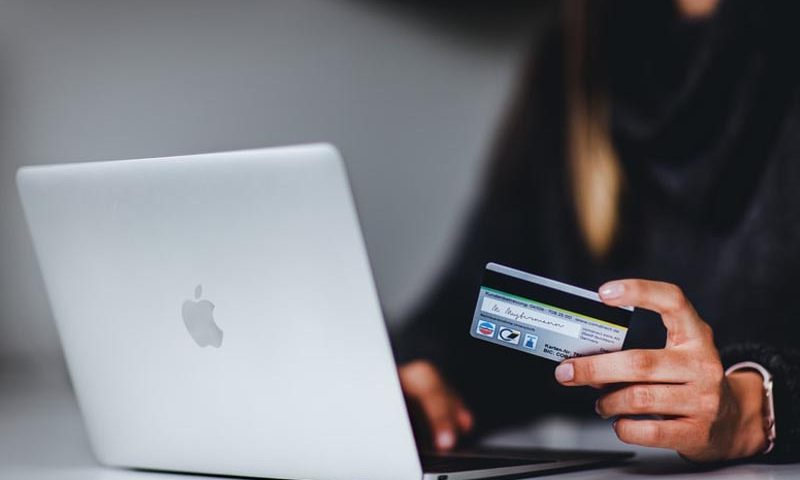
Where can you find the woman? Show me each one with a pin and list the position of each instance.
(660, 140)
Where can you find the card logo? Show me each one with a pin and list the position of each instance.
(509, 335)
(486, 328)
(530, 341)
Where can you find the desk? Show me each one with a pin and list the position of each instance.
(42, 438)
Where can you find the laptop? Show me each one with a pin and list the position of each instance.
(218, 315)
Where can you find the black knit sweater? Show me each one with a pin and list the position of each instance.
(706, 121)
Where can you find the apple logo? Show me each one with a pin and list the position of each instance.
(198, 316)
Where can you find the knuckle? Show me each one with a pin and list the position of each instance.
(707, 332)
(586, 370)
(434, 407)
(675, 299)
(652, 434)
(642, 361)
(634, 287)
(419, 378)
(439, 408)
(638, 290)
(640, 398)
(436, 419)
(426, 369)
(442, 424)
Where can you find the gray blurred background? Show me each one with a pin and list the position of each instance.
(411, 93)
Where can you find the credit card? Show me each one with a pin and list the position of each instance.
(544, 317)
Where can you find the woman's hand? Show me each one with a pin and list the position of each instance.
(702, 414)
(444, 412)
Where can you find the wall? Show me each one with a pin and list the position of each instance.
(410, 93)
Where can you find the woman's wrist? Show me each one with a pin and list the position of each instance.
(750, 438)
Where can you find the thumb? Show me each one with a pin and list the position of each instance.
(677, 313)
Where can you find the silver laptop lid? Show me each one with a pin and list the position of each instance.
(218, 314)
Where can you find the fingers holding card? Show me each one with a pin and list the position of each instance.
(544, 317)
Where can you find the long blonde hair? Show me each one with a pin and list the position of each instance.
(594, 168)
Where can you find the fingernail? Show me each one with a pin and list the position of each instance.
(466, 419)
(445, 440)
(565, 372)
(612, 290)
(597, 407)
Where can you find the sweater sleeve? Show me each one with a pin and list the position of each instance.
(784, 365)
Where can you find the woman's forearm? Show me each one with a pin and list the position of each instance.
(747, 388)
(783, 363)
